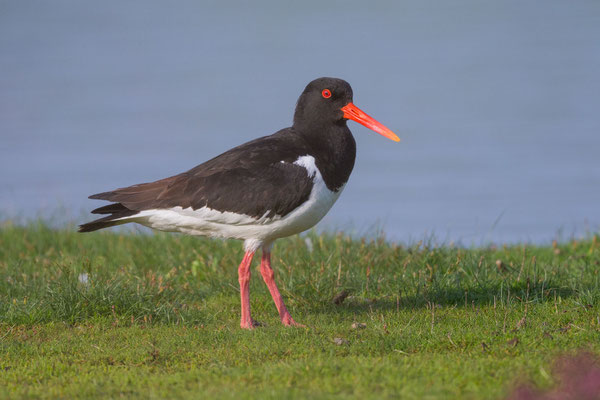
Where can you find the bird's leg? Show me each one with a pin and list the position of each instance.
(267, 274)
(244, 278)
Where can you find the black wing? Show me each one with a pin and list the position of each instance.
(257, 179)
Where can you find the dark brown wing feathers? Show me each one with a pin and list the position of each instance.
(250, 179)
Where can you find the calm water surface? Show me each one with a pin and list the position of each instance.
(497, 105)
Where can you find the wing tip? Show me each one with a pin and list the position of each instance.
(111, 209)
(101, 196)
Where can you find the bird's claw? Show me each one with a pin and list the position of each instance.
(289, 321)
(250, 324)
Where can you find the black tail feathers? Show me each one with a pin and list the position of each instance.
(117, 212)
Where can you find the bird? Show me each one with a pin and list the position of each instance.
(268, 188)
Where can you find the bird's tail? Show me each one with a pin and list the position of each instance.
(117, 212)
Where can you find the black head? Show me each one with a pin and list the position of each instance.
(321, 102)
(326, 103)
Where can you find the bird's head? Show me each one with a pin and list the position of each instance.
(329, 101)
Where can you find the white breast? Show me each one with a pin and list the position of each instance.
(255, 231)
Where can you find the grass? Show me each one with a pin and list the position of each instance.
(157, 316)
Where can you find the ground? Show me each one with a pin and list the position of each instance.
(157, 316)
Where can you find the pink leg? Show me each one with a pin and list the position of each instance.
(267, 274)
(244, 278)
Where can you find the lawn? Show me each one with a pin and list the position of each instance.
(157, 316)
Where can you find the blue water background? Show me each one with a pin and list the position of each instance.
(497, 104)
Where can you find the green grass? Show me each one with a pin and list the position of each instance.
(159, 317)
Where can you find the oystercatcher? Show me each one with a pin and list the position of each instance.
(268, 188)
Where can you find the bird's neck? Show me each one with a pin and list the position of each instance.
(334, 149)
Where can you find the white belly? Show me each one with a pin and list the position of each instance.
(255, 231)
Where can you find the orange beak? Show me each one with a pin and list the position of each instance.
(356, 114)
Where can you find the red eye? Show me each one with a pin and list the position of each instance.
(326, 93)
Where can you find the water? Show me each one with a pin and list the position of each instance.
(496, 104)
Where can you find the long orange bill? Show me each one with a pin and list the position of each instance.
(356, 114)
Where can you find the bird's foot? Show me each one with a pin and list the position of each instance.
(251, 324)
(287, 320)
